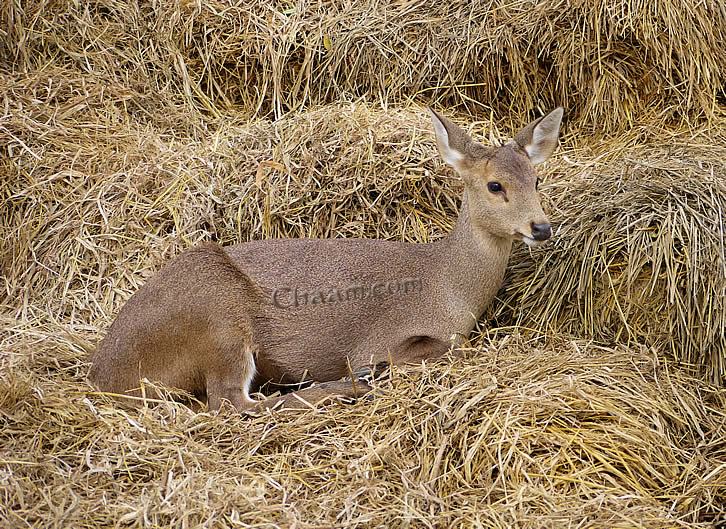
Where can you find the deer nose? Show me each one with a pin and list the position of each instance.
(541, 232)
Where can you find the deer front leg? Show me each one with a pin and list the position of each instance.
(231, 382)
(414, 350)
(320, 393)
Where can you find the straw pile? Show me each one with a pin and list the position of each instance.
(639, 253)
(131, 132)
(92, 210)
(606, 435)
(521, 434)
(608, 61)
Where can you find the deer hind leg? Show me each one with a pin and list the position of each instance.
(234, 384)
(231, 378)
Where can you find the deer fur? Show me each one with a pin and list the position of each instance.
(219, 322)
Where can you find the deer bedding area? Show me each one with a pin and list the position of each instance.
(592, 393)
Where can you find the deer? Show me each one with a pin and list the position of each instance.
(220, 322)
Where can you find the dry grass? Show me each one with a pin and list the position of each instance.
(525, 433)
(94, 208)
(130, 131)
(639, 254)
(606, 61)
(520, 434)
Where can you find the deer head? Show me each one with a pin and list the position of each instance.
(501, 182)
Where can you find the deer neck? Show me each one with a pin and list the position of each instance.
(473, 264)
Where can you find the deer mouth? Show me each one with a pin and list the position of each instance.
(529, 241)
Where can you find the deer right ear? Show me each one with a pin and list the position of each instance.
(451, 140)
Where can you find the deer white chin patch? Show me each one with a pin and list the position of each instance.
(529, 241)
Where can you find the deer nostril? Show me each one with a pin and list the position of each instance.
(541, 232)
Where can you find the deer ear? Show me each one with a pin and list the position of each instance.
(539, 138)
(451, 140)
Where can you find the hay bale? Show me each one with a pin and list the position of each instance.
(94, 204)
(126, 138)
(639, 250)
(521, 434)
(608, 62)
(98, 194)
(97, 202)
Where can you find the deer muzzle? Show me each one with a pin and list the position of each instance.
(541, 232)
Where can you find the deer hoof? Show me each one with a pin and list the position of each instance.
(368, 374)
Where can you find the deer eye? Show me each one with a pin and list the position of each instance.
(495, 187)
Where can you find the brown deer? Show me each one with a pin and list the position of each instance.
(219, 322)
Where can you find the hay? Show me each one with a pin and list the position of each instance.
(96, 204)
(130, 132)
(520, 434)
(607, 62)
(526, 433)
(639, 254)
(93, 210)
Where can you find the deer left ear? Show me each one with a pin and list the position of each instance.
(539, 138)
